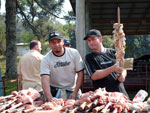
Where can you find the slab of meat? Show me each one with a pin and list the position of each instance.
(55, 104)
(28, 96)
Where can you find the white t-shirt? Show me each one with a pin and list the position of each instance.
(62, 69)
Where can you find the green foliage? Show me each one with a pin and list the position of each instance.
(27, 37)
(45, 47)
(38, 15)
(137, 46)
(3, 64)
(70, 18)
(2, 35)
(70, 30)
(11, 86)
(108, 41)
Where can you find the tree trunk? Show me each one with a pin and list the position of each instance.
(11, 54)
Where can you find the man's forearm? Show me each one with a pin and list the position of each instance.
(79, 81)
(123, 76)
(99, 74)
(102, 73)
(46, 87)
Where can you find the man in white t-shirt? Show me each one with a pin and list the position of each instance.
(61, 68)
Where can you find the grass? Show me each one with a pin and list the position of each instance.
(11, 85)
(3, 65)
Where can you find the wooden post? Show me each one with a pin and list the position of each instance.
(80, 27)
(118, 14)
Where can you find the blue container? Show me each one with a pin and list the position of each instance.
(1, 84)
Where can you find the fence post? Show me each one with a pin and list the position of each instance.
(1, 84)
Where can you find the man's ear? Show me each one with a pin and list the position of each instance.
(101, 39)
(36, 47)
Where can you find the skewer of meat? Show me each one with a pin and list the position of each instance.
(29, 110)
(98, 108)
(15, 106)
(18, 110)
(11, 111)
(115, 110)
(5, 97)
(68, 104)
(91, 96)
(106, 107)
(7, 105)
(119, 40)
(32, 109)
(74, 110)
(47, 111)
(82, 106)
(89, 106)
(95, 103)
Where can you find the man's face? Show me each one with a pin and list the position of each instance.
(56, 45)
(94, 42)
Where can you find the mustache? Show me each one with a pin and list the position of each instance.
(57, 51)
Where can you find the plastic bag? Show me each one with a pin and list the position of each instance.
(61, 93)
(140, 96)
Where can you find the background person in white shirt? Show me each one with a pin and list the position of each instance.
(29, 67)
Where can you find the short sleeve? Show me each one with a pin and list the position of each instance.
(89, 65)
(45, 68)
(78, 62)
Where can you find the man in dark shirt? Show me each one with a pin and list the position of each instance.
(101, 65)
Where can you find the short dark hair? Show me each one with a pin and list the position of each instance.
(93, 32)
(33, 43)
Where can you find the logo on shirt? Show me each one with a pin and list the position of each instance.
(108, 62)
(61, 64)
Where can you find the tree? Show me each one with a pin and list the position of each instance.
(38, 15)
(11, 57)
(137, 46)
(70, 29)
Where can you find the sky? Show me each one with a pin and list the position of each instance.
(66, 7)
(2, 10)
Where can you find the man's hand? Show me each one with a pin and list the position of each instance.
(117, 68)
(73, 96)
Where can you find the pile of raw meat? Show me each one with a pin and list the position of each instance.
(29, 101)
(20, 101)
